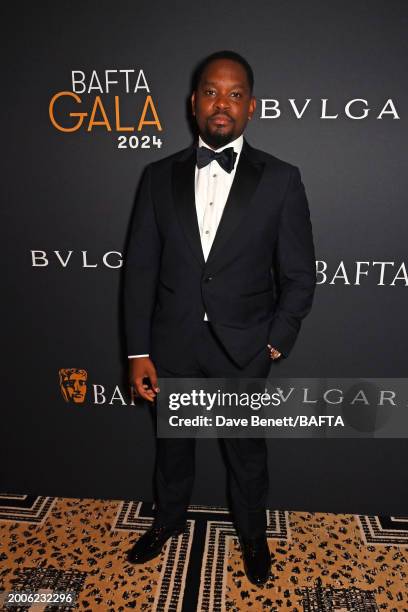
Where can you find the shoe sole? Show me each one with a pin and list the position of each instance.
(156, 554)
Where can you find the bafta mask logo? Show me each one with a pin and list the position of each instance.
(73, 384)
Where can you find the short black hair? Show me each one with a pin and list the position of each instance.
(225, 54)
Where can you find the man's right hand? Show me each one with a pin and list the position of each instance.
(140, 368)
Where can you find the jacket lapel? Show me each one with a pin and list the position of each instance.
(247, 177)
(184, 199)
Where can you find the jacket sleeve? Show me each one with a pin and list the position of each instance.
(141, 270)
(295, 267)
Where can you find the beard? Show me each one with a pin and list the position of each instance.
(216, 139)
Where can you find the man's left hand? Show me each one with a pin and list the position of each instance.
(273, 352)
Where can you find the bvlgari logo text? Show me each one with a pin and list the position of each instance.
(356, 108)
(81, 259)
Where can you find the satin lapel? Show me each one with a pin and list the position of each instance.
(247, 177)
(184, 199)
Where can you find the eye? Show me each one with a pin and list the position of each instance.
(209, 91)
(237, 94)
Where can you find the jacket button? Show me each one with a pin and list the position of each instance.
(208, 279)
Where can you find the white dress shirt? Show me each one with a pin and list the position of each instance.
(212, 186)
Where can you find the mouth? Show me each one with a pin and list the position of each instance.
(220, 120)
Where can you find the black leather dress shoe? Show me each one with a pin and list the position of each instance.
(257, 559)
(152, 541)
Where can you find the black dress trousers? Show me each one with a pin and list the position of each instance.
(247, 465)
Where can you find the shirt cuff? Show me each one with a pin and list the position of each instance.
(132, 356)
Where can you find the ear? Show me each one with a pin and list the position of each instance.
(193, 102)
(252, 107)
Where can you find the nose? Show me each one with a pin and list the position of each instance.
(221, 103)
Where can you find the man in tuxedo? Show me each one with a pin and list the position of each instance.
(219, 273)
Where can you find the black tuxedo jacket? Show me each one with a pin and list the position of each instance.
(258, 281)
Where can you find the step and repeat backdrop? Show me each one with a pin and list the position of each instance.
(94, 91)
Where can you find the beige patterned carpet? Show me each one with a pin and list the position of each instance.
(323, 562)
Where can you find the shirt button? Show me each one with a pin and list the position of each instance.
(211, 203)
(207, 231)
(214, 175)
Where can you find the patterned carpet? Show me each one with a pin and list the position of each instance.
(321, 562)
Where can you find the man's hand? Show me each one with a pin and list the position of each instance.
(140, 368)
(273, 353)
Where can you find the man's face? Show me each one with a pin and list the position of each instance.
(222, 103)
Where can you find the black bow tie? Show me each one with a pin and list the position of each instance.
(226, 158)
